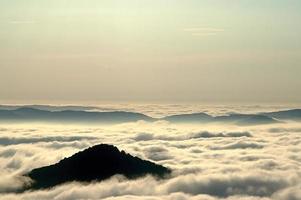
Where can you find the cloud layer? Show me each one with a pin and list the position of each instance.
(209, 162)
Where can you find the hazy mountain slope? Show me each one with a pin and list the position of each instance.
(31, 114)
(286, 114)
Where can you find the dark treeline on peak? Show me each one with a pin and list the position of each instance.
(96, 163)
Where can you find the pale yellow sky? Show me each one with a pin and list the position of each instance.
(150, 51)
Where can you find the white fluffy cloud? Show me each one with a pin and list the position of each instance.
(212, 163)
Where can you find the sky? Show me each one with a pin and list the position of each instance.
(234, 51)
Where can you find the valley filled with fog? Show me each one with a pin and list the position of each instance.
(211, 161)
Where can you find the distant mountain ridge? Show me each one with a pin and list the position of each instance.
(96, 163)
(32, 114)
(28, 114)
(294, 114)
(51, 107)
(238, 119)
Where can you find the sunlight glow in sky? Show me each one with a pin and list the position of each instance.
(150, 50)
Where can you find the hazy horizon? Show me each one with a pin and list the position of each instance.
(150, 51)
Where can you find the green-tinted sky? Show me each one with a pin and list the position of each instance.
(150, 50)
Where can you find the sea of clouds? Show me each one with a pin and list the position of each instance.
(208, 162)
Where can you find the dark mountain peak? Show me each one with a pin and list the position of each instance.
(98, 151)
(96, 163)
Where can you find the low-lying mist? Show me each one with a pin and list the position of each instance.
(213, 161)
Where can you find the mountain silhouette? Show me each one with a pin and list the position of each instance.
(28, 114)
(246, 119)
(96, 163)
(50, 107)
(238, 119)
(294, 115)
(191, 118)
